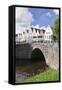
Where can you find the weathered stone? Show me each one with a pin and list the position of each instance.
(51, 53)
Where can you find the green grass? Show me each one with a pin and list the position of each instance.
(48, 75)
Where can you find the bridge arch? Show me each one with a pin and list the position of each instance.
(50, 53)
(43, 48)
(37, 56)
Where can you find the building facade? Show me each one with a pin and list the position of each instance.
(33, 34)
(48, 34)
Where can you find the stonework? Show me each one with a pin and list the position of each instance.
(51, 53)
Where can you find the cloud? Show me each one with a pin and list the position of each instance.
(20, 29)
(23, 19)
(48, 14)
(56, 12)
(23, 16)
(36, 26)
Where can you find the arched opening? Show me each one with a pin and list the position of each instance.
(37, 56)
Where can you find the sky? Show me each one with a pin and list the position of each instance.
(39, 17)
(43, 17)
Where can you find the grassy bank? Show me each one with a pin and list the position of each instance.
(48, 75)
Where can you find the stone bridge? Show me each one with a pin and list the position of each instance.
(27, 53)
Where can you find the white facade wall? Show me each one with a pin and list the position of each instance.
(48, 34)
(32, 35)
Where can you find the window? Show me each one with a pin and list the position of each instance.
(36, 30)
(32, 29)
(27, 31)
(19, 34)
(39, 31)
(16, 35)
(34, 37)
(43, 31)
(39, 36)
(23, 32)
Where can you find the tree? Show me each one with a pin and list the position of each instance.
(56, 29)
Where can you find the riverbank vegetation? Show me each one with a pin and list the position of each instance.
(48, 75)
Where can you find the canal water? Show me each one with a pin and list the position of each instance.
(23, 72)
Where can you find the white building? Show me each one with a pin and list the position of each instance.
(34, 34)
(37, 34)
(48, 34)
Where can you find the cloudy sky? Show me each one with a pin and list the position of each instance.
(26, 17)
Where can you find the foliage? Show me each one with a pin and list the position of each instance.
(48, 75)
(56, 29)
